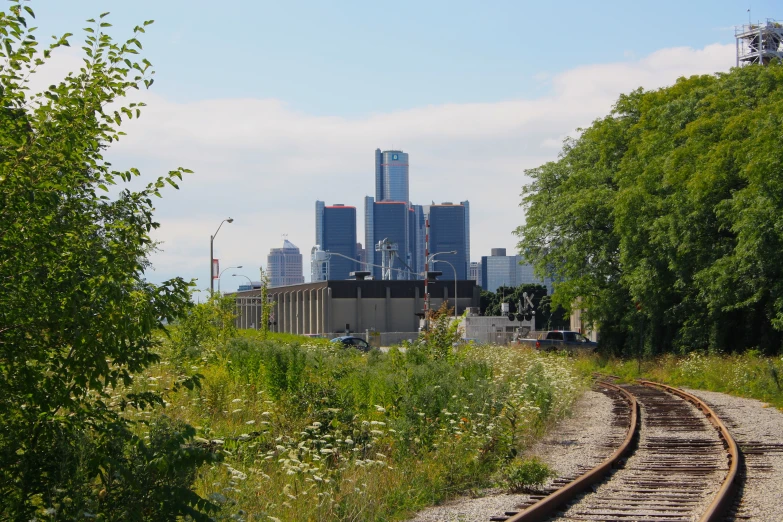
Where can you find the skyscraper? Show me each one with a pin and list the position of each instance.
(416, 241)
(448, 230)
(466, 204)
(386, 220)
(391, 176)
(336, 233)
(284, 265)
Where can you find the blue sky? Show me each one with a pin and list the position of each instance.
(351, 58)
(276, 104)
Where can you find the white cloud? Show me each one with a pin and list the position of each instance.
(265, 164)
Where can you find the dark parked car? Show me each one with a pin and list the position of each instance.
(561, 340)
(355, 342)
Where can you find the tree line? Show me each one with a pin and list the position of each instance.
(664, 219)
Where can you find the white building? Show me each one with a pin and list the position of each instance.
(474, 272)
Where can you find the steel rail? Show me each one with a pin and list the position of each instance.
(567, 493)
(720, 505)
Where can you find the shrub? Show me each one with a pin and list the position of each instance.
(521, 475)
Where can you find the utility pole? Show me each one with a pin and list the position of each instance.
(426, 273)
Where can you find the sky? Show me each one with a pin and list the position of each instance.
(275, 105)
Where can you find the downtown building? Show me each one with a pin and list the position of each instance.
(284, 265)
(392, 217)
(387, 217)
(395, 231)
(335, 233)
(387, 221)
(499, 270)
(474, 271)
(449, 232)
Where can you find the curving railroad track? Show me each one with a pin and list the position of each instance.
(677, 462)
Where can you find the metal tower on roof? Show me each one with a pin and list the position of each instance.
(388, 252)
(759, 43)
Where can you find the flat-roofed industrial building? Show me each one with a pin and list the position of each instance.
(331, 308)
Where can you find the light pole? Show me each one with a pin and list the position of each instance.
(212, 256)
(243, 275)
(427, 290)
(221, 274)
(455, 283)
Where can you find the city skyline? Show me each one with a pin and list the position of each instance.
(466, 94)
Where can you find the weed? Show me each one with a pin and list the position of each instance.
(521, 475)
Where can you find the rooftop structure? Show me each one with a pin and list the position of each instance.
(759, 43)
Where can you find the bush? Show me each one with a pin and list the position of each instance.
(521, 475)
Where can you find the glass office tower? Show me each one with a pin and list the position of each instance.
(447, 233)
(466, 204)
(336, 233)
(388, 221)
(417, 240)
(391, 176)
(369, 233)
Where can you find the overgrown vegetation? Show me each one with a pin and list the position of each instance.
(77, 318)
(749, 374)
(666, 217)
(311, 430)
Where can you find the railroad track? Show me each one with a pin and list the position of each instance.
(677, 462)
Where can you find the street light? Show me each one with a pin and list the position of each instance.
(427, 290)
(432, 256)
(212, 256)
(243, 275)
(221, 274)
(455, 283)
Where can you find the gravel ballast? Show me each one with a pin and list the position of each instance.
(573, 444)
(758, 431)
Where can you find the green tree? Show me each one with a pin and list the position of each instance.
(546, 318)
(203, 327)
(664, 217)
(77, 317)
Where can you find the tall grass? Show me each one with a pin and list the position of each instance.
(746, 375)
(313, 431)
